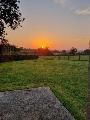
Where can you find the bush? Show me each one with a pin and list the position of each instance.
(6, 58)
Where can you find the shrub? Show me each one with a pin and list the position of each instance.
(6, 58)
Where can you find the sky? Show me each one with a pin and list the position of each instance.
(57, 24)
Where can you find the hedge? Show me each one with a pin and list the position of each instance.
(6, 58)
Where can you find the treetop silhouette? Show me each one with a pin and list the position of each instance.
(10, 16)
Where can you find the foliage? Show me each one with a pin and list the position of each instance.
(73, 50)
(64, 52)
(6, 58)
(10, 16)
(7, 49)
(44, 52)
(87, 51)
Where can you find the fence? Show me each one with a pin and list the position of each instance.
(74, 57)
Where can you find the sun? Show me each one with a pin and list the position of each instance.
(42, 42)
(42, 47)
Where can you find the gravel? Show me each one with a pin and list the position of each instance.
(34, 104)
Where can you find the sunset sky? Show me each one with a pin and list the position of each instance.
(57, 24)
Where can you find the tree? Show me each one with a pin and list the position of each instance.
(73, 50)
(87, 51)
(64, 52)
(44, 52)
(10, 16)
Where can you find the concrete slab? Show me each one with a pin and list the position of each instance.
(35, 104)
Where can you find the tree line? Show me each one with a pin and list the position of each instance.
(11, 16)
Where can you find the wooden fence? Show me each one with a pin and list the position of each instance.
(74, 57)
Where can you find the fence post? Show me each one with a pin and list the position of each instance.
(79, 57)
(88, 99)
(68, 57)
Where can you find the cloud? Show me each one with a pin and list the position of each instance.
(83, 11)
(60, 1)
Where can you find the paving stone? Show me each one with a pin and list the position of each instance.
(35, 104)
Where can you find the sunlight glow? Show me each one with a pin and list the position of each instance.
(42, 42)
(42, 47)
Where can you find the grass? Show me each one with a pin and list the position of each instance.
(67, 79)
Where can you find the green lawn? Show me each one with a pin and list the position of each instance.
(67, 79)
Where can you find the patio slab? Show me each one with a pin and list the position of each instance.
(34, 104)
